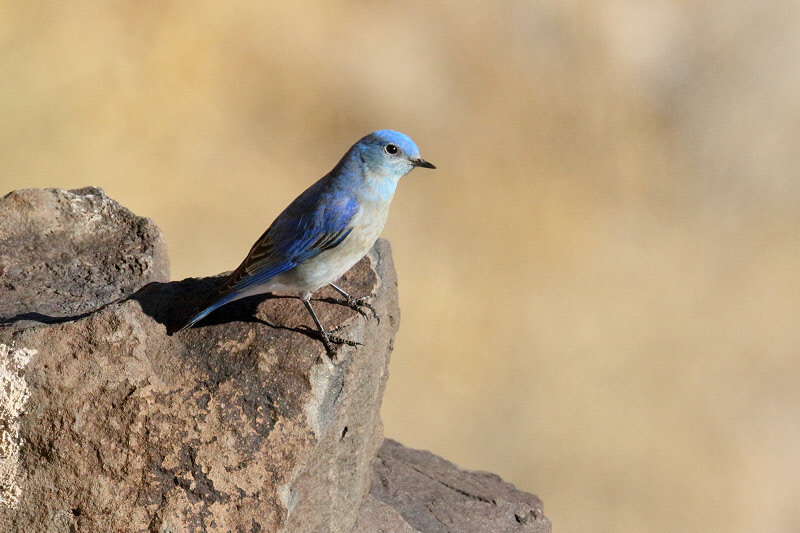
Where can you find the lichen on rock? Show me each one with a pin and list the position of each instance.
(14, 393)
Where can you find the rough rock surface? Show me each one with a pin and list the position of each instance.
(241, 424)
(112, 422)
(231, 426)
(376, 516)
(64, 253)
(433, 495)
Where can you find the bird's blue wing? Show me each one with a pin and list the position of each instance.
(312, 224)
(318, 220)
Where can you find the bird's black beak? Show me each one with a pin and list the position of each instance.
(419, 162)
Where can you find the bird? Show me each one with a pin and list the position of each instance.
(324, 231)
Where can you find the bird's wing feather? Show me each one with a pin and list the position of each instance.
(312, 224)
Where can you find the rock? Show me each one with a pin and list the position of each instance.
(14, 395)
(109, 421)
(69, 252)
(433, 495)
(376, 516)
(240, 424)
(231, 426)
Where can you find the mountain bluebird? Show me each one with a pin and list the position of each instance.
(325, 231)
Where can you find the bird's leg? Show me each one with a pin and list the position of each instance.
(356, 304)
(327, 338)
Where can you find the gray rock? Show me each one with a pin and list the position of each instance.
(433, 495)
(376, 516)
(64, 253)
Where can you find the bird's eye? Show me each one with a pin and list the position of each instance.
(391, 149)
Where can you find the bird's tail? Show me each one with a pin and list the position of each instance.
(211, 304)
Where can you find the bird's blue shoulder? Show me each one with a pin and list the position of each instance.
(316, 220)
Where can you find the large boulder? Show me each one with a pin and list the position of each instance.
(241, 424)
(112, 421)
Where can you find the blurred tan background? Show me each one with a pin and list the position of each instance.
(600, 284)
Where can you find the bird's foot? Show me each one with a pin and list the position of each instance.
(358, 305)
(329, 340)
(339, 340)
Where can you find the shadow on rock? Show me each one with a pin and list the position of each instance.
(171, 304)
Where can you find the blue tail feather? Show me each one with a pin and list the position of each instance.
(208, 310)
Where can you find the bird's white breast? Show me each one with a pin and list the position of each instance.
(331, 264)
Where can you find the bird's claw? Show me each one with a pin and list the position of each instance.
(357, 305)
(329, 340)
(340, 340)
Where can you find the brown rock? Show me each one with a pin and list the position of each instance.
(108, 422)
(433, 495)
(240, 424)
(65, 253)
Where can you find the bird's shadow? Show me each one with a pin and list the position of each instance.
(42, 318)
(172, 303)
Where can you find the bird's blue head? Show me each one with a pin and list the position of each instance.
(389, 153)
